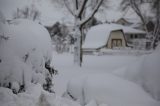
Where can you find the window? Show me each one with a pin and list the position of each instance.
(131, 36)
(136, 36)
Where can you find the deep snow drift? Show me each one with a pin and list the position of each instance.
(91, 65)
(108, 89)
(92, 84)
(145, 72)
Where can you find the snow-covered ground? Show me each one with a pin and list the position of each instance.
(106, 80)
(91, 65)
(89, 80)
(94, 80)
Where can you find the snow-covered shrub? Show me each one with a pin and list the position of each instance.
(7, 97)
(25, 49)
(35, 96)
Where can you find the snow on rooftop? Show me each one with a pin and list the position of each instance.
(131, 20)
(98, 35)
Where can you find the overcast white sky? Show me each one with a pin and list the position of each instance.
(51, 13)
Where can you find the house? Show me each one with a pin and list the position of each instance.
(111, 36)
(123, 21)
(134, 23)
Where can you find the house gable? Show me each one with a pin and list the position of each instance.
(116, 39)
(123, 21)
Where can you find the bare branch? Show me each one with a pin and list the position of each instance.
(76, 4)
(68, 8)
(82, 7)
(83, 22)
(137, 10)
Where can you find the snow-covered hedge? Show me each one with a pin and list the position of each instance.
(25, 48)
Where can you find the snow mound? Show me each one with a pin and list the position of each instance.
(75, 88)
(91, 103)
(110, 90)
(145, 72)
(25, 47)
(7, 97)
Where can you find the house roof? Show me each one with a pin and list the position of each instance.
(123, 19)
(98, 35)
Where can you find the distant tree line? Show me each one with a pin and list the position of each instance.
(28, 12)
(62, 34)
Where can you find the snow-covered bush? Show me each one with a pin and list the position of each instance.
(35, 96)
(25, 50)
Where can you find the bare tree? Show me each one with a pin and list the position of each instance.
(156, 33)
(155, 5)
(29, 12)
(135, 5)
(78, 9)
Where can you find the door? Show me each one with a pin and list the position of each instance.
(116, 43)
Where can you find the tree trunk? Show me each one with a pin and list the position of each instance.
(78, 45)
(157, 26)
